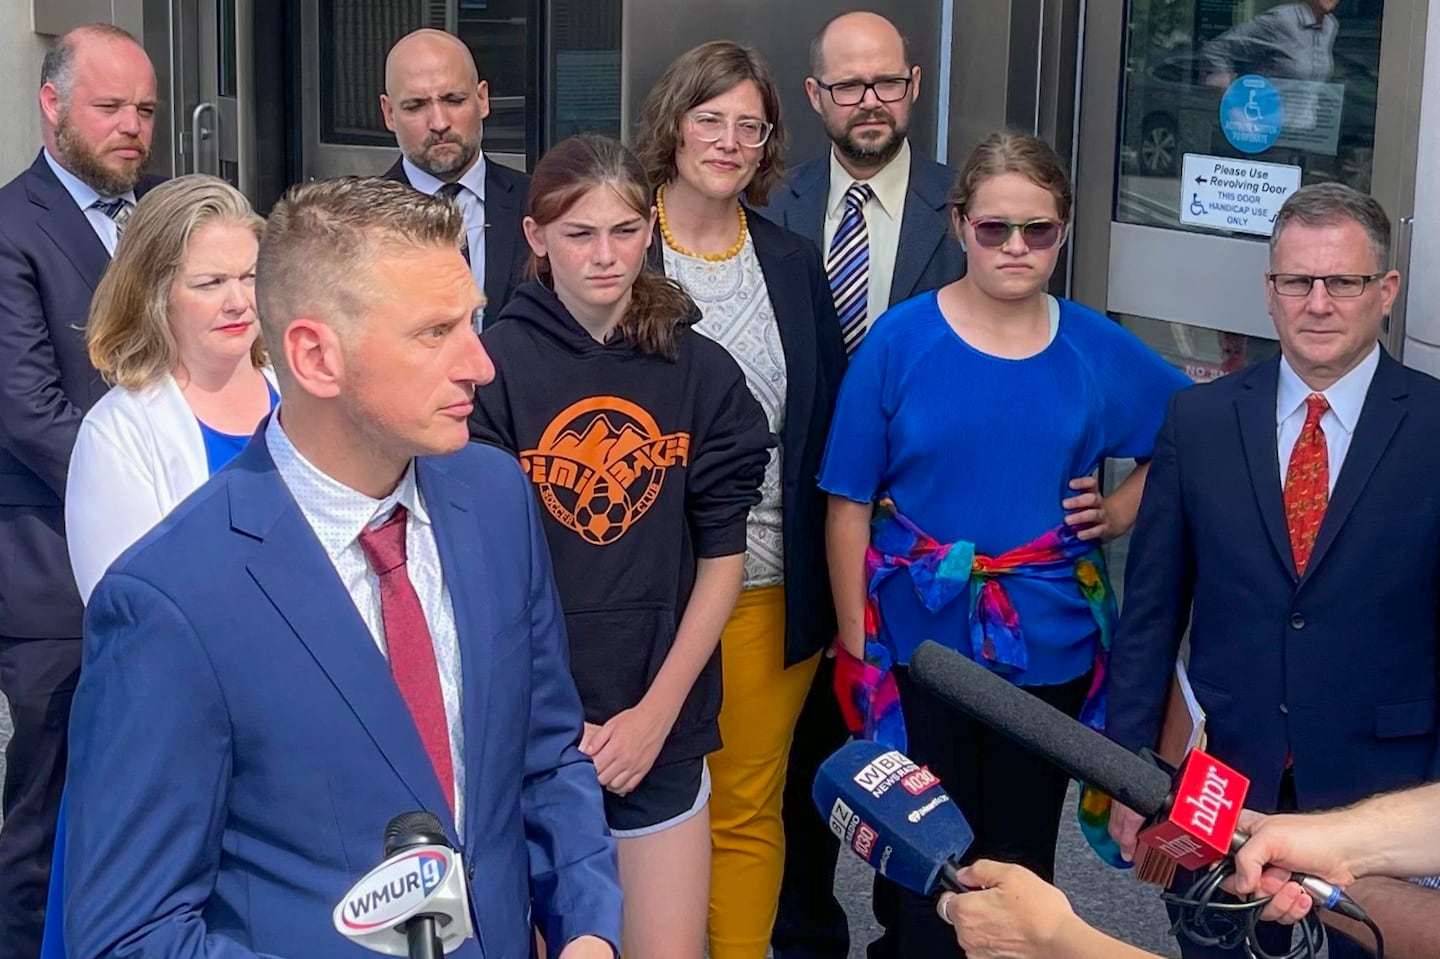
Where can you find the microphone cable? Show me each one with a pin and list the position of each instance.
(1209, 916)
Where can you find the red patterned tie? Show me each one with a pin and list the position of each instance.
(1307, 482)
(412, 654)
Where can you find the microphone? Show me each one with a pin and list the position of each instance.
(1193, 817)
(894, 815)
(415, 902)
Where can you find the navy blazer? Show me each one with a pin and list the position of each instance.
(247, 744)
(928, 255)
(507, 254)
(1337, 666)
(814, 366)
(50, 263)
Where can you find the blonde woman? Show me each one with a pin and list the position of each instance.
(173, 327)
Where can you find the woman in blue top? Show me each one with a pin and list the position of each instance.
(963, 419)
(173, 327)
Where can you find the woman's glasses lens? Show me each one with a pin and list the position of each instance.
(1037, 234)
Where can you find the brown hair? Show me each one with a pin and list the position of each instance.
(128, 333)
(324, 236)
(574, 167)
(1012, 152)
(698, 75)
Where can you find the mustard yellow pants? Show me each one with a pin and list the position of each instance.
(757, 722)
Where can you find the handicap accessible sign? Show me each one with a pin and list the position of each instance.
(1252, 114)
(1242, 196)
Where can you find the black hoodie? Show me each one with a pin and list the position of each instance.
(642, 466)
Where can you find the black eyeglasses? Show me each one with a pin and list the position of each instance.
(1039, 234)
(1342, 286)
(849, 93)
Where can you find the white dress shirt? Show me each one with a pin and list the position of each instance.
(472, 203)
(85, 196)
(882, 217)
(338, 515)
(1346, 397)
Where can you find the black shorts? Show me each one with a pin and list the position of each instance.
(667, 796)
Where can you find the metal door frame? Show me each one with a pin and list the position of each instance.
(1132, 269)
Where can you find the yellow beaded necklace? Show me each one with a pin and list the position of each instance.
(729, 254)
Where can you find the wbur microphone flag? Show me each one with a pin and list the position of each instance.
(891, 813)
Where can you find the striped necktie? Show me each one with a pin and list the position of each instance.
(118, 209)
(848, 266)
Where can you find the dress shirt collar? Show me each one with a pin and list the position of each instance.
(83, 193)
(1346, 395)
(889, 184)
(473, 180)
(337, 513)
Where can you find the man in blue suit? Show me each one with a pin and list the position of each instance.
(355, 619)
(59, 223)
(881, 216)
(1291, 522)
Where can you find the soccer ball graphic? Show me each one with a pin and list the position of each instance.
(602, 515)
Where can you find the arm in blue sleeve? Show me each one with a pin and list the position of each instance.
(149, 773)
(1159, 578)
(574, 875)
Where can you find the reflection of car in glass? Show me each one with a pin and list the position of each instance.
(1171, 110)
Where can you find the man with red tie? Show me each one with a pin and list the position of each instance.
(355, 619)
(1291, 521)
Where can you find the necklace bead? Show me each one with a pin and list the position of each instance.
(669, 237)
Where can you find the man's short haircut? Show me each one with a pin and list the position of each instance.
(817, 44)
(323, 239)
(1331, 204)
(58, 67)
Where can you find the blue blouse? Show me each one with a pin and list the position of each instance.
(981, 448)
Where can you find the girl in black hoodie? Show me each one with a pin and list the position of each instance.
(647, 450)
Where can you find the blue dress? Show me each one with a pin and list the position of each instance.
(220, 449)
(981, 448)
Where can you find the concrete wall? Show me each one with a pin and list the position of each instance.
(21, 51)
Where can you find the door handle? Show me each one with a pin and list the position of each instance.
(200, 133)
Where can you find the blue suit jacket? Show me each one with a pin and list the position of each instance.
(928, 255)
(238, 745)
(1338, 666)
(50, 263)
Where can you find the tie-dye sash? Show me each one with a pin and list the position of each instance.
(942, 572)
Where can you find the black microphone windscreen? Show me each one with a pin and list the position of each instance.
(418, 828)
(1041, 728)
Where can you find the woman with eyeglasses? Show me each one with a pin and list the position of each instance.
(711, 135)
(954, 514)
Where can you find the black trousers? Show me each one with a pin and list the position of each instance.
(38, 678)
(1011, 798)
(810, 923)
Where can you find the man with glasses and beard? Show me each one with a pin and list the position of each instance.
(879, 213)
(435, 104)
(59, 223)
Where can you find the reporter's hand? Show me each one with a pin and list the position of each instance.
(1281, 844)
(587, 947)
(1087, 510)
(1012, 914)
(1125, 826)
(625, 748)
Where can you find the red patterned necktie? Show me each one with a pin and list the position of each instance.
(1307, 482)
(407, 635)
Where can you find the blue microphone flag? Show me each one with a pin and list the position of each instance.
(891, 813)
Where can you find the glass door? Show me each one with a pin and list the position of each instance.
(1225, 107)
